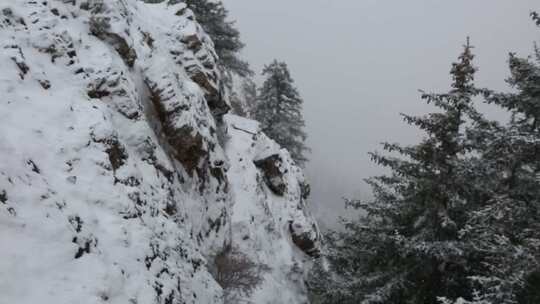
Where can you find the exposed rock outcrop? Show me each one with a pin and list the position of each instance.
(308, 240)
(273, 173)
(93, 179)
(261, 218)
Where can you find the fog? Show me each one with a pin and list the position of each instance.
(358, 64)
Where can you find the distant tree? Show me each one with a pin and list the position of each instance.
(243, 98)
(406, 246)
(279, 110)
(249, 90)
(213, 17)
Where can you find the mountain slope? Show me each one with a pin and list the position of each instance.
(120, 178)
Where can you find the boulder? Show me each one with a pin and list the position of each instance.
(272, 173)
(306, 240)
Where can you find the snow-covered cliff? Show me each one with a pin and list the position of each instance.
(122, 178)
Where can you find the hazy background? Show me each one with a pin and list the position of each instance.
(359, 63)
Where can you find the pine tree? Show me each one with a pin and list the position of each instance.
(279, 110)
(213, 17)
(406, 248)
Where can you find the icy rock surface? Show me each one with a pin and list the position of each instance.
(115, 186)
(262, 218)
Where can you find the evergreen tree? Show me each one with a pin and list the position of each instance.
(458, 221)
(406, 247)
(504, 233)
(213, 17)
(279, 110)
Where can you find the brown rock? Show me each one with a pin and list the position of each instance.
(273, 177)
(308, 242)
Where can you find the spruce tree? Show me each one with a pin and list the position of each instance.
(213, 17)
(504, 232)
(279, 110)
(406, 247)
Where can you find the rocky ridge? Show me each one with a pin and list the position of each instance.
(122, 178)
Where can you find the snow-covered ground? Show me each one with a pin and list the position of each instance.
(262, 220)
(115, 183)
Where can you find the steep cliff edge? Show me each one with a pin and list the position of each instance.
(121, 180)
(270, 221)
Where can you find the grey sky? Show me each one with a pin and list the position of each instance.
(359, 63)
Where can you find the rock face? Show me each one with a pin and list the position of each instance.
(120, 181)
(306, 238)
(269, 195)
(273, 173)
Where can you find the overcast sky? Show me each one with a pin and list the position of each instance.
(359, 63)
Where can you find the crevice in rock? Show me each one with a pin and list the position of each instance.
(115, 150)
(3, 197)
(187, 144)
(100, 27)
(33, 166)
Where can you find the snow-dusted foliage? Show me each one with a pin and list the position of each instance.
(114, 186)
(214, 18)
(406, 246)
(463, 301)
(457, 221)
(504, 232)
(279, 109)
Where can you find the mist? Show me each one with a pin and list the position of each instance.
(358, 64)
